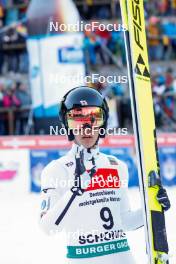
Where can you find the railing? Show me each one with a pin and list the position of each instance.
(11, 114)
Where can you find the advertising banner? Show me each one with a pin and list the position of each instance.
(38, 160)
(53, 75)
(14, 171)
(22, 159)
(167, 157)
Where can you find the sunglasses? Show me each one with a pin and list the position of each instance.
(79, 117)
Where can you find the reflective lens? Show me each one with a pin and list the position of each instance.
(79, 117)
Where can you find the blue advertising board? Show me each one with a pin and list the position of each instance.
(167, 156)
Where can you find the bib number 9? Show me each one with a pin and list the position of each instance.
(107, 217)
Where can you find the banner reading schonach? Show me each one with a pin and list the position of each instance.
(43, 149)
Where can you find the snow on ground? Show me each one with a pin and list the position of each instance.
(22, 241)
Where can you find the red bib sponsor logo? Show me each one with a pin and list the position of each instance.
(104, 178)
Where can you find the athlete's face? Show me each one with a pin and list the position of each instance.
(87, 138)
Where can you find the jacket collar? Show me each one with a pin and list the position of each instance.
(88, 153)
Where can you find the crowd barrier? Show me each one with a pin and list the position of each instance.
(23, 158)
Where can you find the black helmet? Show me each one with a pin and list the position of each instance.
(82, 96)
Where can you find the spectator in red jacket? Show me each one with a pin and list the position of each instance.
(169, 77)
(2, 126)
(10, 99)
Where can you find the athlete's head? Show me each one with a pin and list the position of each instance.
(84, 111)
(87, 137)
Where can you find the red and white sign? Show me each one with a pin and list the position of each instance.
(61, 142)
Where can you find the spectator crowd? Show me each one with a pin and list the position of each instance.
(161, 37)
(160, 8)
(164, 92)
(15, 102)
